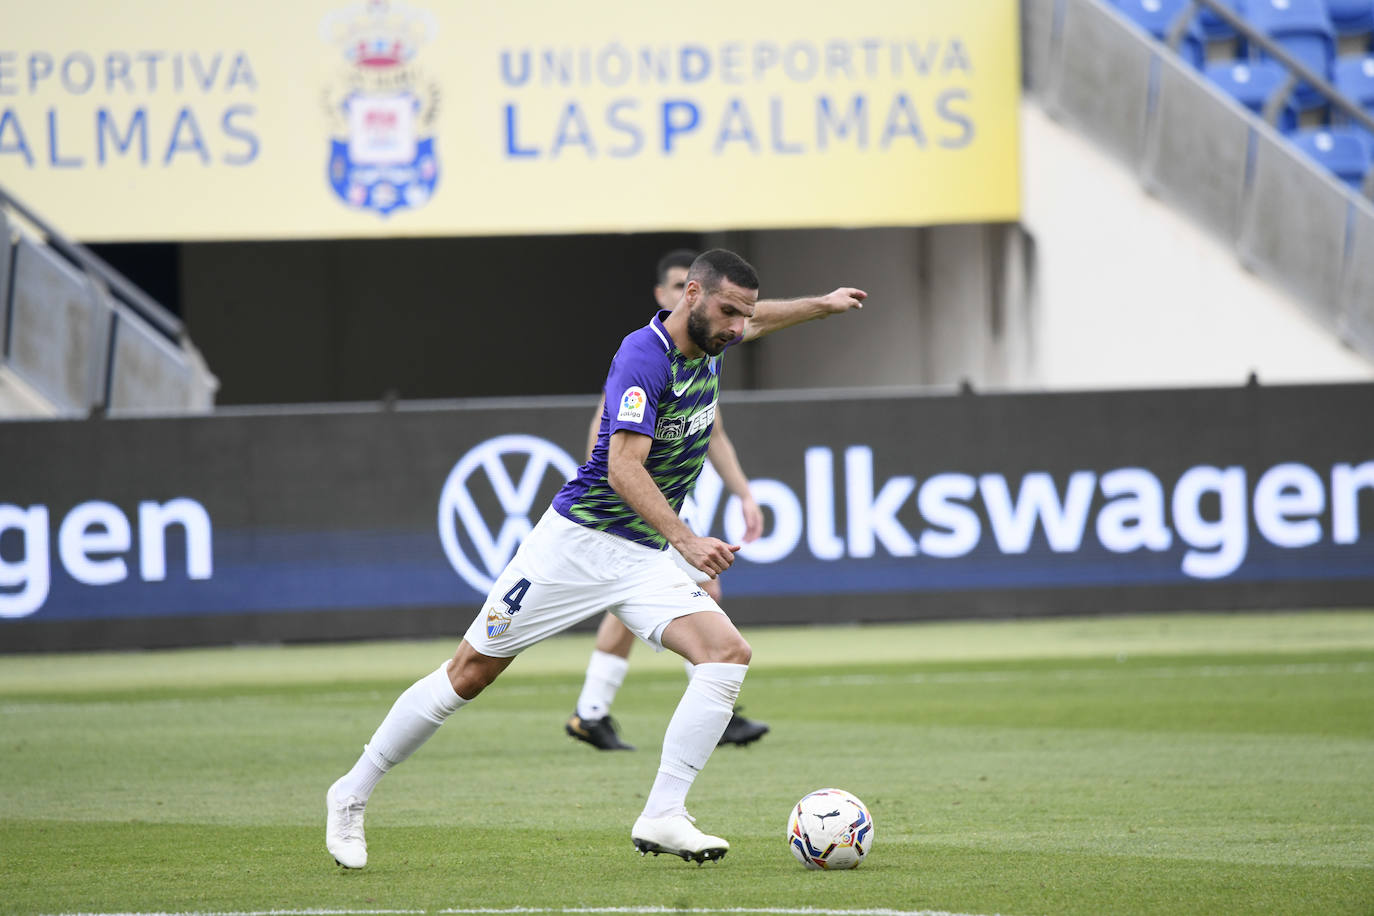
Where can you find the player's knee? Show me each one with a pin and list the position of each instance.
(468, 680)
(471, 672)
(736, 651)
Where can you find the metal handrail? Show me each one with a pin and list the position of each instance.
(1297, 70)
(94, 266)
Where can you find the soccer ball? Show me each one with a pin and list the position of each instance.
(830, 828)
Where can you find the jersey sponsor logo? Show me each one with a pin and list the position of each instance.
(670, 429)
(701, 419)
(676, 427)
(632, 405)
(480, 545)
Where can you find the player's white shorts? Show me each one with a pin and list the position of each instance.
(564, 573)
(696, 575)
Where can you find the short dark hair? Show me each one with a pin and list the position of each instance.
(678, 257)
(711, 267)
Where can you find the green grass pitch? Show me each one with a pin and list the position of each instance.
(1217, 764)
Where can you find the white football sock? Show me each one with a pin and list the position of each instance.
(362, 779)
(416, 714)
(692, 734)
(605, 674)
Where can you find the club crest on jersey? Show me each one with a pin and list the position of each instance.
(670, 428)
(382, 107)
(497, 623)
(632, 405)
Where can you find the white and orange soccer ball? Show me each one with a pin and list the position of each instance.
(830, 828)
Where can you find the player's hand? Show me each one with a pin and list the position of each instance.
(842, 300)
(710, 555)
(753, 518)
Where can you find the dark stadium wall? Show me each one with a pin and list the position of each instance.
(948, 304)
(362, 320)
(305, 322)
(345, 523)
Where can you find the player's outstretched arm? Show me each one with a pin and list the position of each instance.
(627, 476)
(775, 314)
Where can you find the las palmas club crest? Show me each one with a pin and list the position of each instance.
(382, 108)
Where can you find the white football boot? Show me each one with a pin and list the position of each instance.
(343, 829)
(677, 835)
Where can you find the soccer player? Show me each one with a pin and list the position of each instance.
(600, 546)
(591, 721)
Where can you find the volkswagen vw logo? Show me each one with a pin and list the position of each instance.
(462, 523)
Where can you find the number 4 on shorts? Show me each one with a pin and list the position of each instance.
(516, 595)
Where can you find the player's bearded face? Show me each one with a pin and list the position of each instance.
(710, 340)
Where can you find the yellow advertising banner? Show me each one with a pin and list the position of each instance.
(163, 120)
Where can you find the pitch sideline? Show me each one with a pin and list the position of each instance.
(562, 911)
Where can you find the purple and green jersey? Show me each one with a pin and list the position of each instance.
(651, 389)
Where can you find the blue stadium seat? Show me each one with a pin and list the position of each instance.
(1355, 80)
(1351, 17)
(1211, 27)
(1252, 83)
(1304, 30)
(1344, 151)
(1157, 17)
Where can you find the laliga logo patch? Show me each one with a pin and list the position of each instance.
(497, 623)
(479, 546)
(382, 108)
(632, 405)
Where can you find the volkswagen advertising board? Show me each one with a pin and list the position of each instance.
(883, 506)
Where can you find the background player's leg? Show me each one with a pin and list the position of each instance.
(591, 721)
